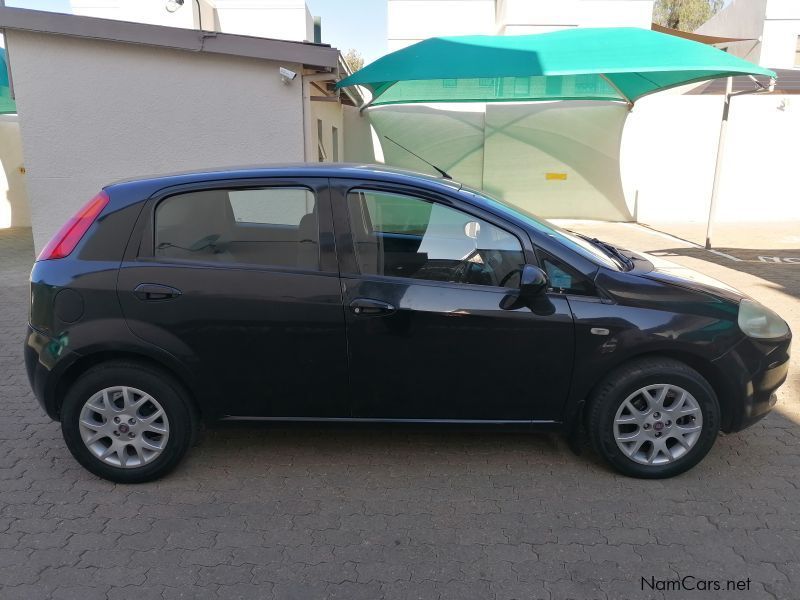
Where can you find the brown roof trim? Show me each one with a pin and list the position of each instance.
(697, 37)
(177, 38)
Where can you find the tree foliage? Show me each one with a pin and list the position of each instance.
(686, 15)
(353, 59)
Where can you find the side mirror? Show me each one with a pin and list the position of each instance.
(533, 281)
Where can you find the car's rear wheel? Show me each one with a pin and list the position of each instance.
(127, 422)
(654, 418)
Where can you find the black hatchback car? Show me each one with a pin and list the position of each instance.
(360, 293)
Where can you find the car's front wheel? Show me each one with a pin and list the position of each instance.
(126, 422)
(654, 418)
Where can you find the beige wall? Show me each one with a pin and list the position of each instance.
(92, 112)
(13, 196)
(330, 113)
(358, 140)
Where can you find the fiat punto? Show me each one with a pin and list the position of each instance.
(362, 293)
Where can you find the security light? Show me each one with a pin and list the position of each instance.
(173, 5)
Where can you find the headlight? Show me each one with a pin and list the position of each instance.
(757, 321)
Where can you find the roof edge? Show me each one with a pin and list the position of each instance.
(176, 38)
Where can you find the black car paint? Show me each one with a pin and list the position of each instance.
(447, 351)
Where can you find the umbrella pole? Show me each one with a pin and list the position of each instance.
(723, 128)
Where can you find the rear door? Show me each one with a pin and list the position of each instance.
(239, 280)
(429, 285)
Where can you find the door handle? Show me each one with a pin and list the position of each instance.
(155, 291)
(368, 307)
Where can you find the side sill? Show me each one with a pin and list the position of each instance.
(532, 423)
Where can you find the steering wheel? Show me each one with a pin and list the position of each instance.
(466, 265)
(508, 276)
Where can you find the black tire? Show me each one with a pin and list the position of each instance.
(620, 384)
(155, 382)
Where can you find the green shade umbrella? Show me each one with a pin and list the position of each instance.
(7, 104)
(574, 64)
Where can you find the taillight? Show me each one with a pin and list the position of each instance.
(64, 242)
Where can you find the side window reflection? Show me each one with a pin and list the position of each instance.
(404, 236)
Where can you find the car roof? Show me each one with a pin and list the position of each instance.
(152, 184)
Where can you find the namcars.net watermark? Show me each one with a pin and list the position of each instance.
(690, 583)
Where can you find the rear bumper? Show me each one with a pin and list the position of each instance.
(45, 358)
(755, 371)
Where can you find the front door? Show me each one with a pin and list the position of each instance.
(433, 332)
(239, 281)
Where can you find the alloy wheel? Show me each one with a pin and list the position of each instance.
(124, 427)
(658, 424)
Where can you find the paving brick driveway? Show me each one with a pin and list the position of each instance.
(372, 513)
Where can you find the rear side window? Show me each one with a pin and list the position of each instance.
(274, 226)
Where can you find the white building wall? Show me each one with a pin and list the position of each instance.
(779, 45)
(524, 16)
(147, 11)
(410, 21)
(773, 25)
(760, 177)
(279, 19)
(669, 150)
(667, 157)
(126, 110)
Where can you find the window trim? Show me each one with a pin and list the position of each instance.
(141, 244)
(345, 187)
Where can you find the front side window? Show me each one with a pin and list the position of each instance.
(403, 236)
(547, 229)
(269, 226)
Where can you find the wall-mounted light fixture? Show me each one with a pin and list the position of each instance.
(173, 5)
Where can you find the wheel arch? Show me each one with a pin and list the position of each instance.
(723, 389)
(85, 362)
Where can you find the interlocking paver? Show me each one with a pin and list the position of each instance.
(312, 513)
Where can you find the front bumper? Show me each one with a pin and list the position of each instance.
(754, 371)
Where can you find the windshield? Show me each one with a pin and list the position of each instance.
(574, 242)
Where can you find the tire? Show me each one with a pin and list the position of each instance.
(145, 444)
(626, 406)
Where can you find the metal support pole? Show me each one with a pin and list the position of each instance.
(720, 156)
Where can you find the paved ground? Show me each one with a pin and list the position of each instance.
(391, 513)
